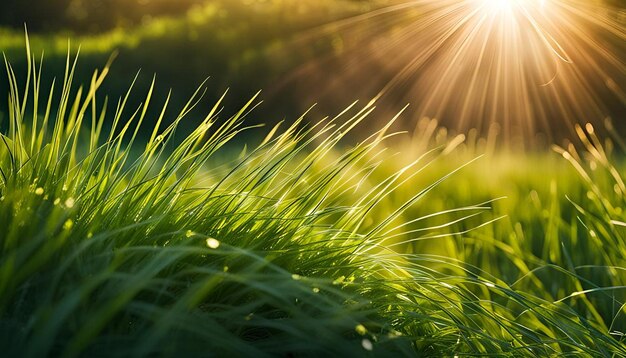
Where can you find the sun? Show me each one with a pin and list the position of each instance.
(499, 6)
(519, 67)
(509, 7)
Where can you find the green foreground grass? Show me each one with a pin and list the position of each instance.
(116, 245)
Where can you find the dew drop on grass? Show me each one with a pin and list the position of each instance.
(367, 344)
(189, 233)
(360, 329)
(339, 280)
(212, 243)
(69, 203)
(57, 201)
(296, 277)
(39, 191)
(316, 290)
(68, 224)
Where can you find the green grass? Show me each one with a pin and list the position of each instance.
(115, 244)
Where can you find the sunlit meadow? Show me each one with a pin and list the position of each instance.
(414, 178)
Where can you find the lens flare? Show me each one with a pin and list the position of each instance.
(523, 66)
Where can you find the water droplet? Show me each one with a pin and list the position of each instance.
(212, 243)
(189, 233)
(316, 290)
(68, 224)
(339, 280)
(69, 202)
(296, 277)
(367, 344)
(360, 329)
(39, 191)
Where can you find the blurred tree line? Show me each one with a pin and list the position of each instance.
(90, 16)
(241, 45)
(86, 15)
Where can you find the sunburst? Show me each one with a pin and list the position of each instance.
(527, 66)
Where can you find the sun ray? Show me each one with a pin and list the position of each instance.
(529, 65)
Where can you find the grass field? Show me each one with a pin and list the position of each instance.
(117, 244)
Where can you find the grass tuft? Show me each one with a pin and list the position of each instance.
(118, 246)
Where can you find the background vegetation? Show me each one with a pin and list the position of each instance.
(244, 46)
(296, 52)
